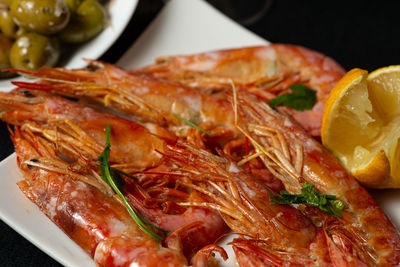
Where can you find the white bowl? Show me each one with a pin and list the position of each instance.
(120, 12)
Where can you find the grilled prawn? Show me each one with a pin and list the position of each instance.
(94, 220)
(265, 71)
(77, 131)
(363, 235)
(143, 98)
(179, 85)
(245, 205)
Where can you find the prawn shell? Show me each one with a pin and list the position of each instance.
(377, 238)
(98, 224)
(88, 216)
(125, 135)
(118, 251)
(252, 68)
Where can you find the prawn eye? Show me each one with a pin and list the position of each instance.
(92, 68)
(31, 160)
(161, 62)
(28, 94)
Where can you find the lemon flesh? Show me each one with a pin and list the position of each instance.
(360, 125)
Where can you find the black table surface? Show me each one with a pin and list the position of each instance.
(363, 34)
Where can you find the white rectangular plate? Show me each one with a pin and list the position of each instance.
(183, 26)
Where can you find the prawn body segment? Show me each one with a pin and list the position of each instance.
(88, 216)
(141, 97)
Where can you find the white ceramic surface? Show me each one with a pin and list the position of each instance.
(183, 26)
(187, 26)
(120, 12)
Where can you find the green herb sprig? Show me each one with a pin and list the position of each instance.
(309, 196)
(191, 124)
(301, 98)
(114, 178)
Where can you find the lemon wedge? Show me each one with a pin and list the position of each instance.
(361, 125)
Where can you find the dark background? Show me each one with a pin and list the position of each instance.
(363, 34)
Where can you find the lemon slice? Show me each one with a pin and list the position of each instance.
(361, 122)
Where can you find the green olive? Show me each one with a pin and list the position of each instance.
(87, 22)
(32, 51)
(5, 46)
(73, 4)
(7, 24)
(41, 16)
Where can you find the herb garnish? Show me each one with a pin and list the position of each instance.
(327, 203)
(191, 124)
(302, 98)
(114, 178)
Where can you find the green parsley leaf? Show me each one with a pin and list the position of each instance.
(309, 196)
(114, 178)
(302, 98)
(191, 124)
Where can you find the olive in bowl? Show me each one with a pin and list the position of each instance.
(87, 21)
(41, 16)
(31, 51)
(36, 29)
(7, 24)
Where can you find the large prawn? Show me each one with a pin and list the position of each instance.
(179, 85)
(93, 219)
(142, 98)
(77, 131)
(246, 207)
(363, 234)
(265, 71)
